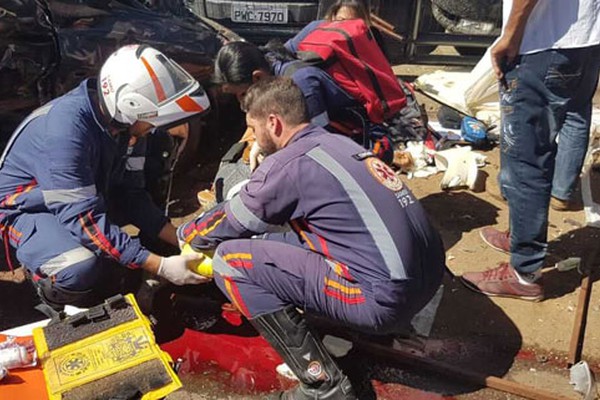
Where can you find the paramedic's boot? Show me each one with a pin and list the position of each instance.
(320, 377)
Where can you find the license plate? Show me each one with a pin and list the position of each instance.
(259, 13)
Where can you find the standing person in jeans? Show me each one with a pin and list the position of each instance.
(547, 61)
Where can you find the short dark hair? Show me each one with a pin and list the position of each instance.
(359, 7)
(236, 61)
(279, 96)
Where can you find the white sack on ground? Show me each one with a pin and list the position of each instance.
(473, 93)
(591, 205)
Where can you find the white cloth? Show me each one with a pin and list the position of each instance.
(559, 24)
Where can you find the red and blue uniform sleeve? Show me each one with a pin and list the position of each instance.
(67, 182)
(265, 204)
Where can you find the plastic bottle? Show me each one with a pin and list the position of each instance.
(204, 267)
(15, 356)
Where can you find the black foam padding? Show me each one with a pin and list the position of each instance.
(77, 327)
(141, 379)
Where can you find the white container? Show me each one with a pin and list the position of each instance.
(591, 208)
(15, 356)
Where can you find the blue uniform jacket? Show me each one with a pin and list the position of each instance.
(62, 160)
(341, 202)
(325, 99)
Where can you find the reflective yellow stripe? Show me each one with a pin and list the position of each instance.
(231, 294)
(11, 200)
(243, 256)
(302, 233)
(342, 288)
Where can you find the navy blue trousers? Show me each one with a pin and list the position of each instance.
(263, 276)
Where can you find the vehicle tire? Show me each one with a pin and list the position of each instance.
(475, 10)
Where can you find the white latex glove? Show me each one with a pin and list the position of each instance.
(256, 156)
(175, 270)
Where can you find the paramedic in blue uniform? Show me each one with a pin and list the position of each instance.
(64, 158)
(240, 64)
(361, 250)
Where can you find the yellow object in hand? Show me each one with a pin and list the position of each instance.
(204, 266)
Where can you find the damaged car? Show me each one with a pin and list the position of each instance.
(412, 28)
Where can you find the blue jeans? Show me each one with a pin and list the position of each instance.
(544, 92)
(574, 133)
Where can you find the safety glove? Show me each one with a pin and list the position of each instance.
(175, 269)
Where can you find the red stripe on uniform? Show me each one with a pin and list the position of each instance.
(345, 299)
(160, 92)
(113, 251)
(324, 246)
(203, 225)
(241, 264)
(187, 104)
(97, 236)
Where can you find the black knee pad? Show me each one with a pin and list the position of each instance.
(57, 297)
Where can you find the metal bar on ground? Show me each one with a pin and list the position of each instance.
(442, 368)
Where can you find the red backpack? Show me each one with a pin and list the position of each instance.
(354, 60)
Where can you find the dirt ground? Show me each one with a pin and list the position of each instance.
(523, 341)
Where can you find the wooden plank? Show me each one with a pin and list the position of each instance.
(583, 304)
(382, 22)
(442, 368)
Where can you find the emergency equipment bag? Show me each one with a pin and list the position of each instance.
(347, 51)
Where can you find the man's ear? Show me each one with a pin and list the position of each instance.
(274, 124)
(259, 74)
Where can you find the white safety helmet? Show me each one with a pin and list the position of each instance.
(139, 83)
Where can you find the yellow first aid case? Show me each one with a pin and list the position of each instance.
(106, 352)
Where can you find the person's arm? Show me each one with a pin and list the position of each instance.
(168, 234)
(264, 204)
(311, 87)
(507, 47)
(67, 182)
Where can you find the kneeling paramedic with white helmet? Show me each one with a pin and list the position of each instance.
(361, 253)
(60, 163)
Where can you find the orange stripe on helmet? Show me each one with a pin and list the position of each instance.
(187, 104)
(160, 92)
